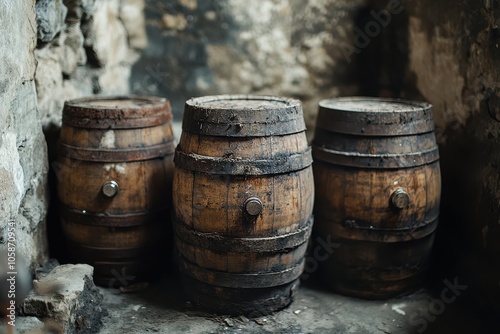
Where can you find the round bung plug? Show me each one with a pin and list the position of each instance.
(253, 206)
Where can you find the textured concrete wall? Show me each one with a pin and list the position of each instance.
(23, 153)
(455, 61)
(449, 55)
(279, 47)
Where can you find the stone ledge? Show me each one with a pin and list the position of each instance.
(68, 298)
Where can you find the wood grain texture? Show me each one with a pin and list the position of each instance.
(130, 229)
(384, 249)
(209, 206)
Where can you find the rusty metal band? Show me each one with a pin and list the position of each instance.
(231, 166)
(108, 220)
(218, 116)
(116, 123)
(249, 281)
(150, 111)
(374, 145)
(116, 155)
(254, 129)
(364, 160)
(350, 231)
(218, 242)
(417, 119)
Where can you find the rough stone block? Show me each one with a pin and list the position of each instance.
(114, 80)
(49, 80)
(132, 17)
(71, 52)
(68, 297)
(79, 9)
(106, 41)
(50, 16)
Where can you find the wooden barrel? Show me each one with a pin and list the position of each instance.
(243, 202)
(115, 169)
(378, 189)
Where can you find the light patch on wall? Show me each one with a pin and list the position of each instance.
(316, 56)
(259, 13)
(437, 70)
(108, 36)
(12, 176)
(190, 4)
(175, 22)
(271, 43)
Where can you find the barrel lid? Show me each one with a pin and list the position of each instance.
(243, 115)
(373, 116)
(116, 112)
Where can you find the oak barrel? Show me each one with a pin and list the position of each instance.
(115, 169)
(378, 188)
(243, 202)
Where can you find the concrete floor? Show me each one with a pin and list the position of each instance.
(161, 308)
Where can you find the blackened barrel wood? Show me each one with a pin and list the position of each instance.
(378, 189)
(243, 201)
(114, 170)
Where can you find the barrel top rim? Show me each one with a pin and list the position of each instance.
(207, 102)
(354, 104)
(148, 102)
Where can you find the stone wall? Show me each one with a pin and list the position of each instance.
(85, 47)
(279, 47)
(52, 51)
(23, 152)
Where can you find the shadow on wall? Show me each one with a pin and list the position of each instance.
(175, 63)
(381, 45)
(57, 244)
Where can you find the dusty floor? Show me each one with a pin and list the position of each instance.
(446, 307)
(161, 308)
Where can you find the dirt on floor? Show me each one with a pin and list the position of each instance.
(162, 308)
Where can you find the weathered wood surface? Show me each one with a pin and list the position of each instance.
(378, 189)
(127, 140)
(243, 200)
